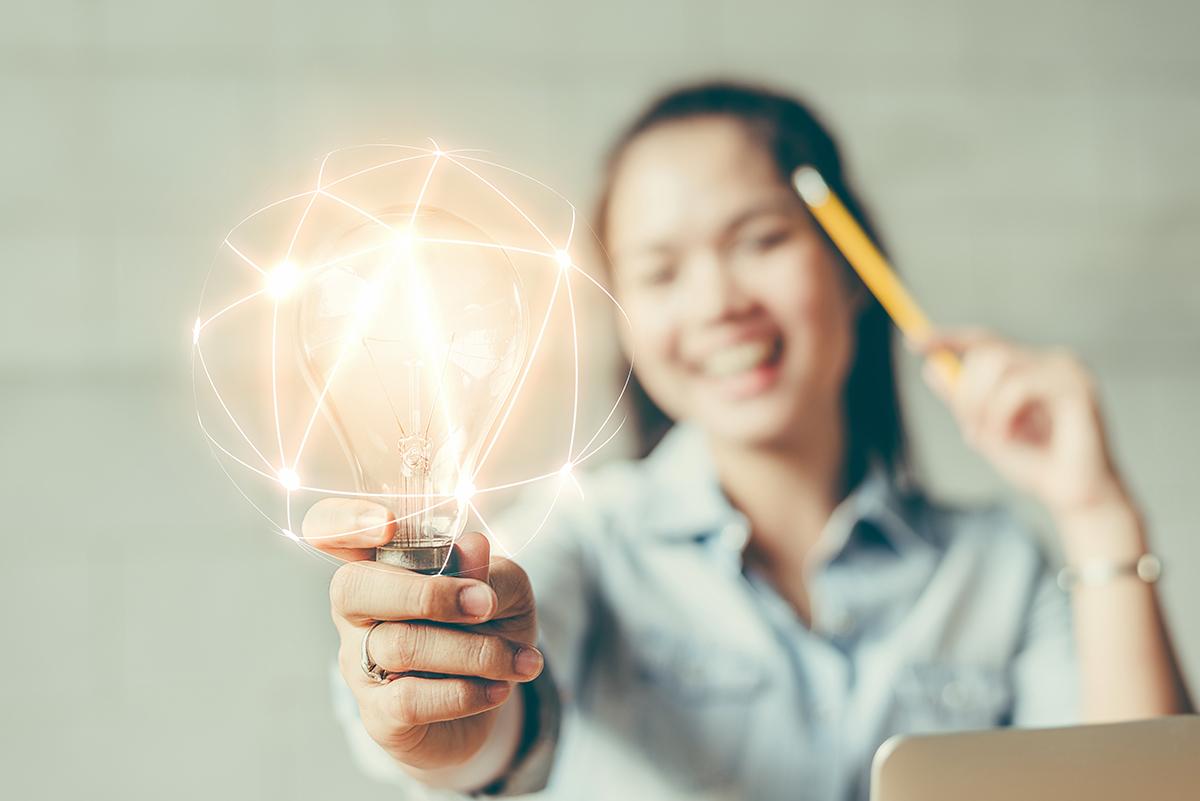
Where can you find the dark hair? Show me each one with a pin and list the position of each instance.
(793, 136)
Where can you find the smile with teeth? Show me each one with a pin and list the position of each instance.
(741, 357)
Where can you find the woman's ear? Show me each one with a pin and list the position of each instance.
(862, 299)
(858, 297)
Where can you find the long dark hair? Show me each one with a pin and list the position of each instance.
(793, 136)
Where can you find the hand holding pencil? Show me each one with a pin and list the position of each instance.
(1032, 413)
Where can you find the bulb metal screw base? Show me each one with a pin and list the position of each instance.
(429, 558)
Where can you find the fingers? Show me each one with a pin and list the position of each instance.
(416, 701)
(513, 590)
(366, 591)
(505, 577)
(985, 360)
(474, 553)
(1003, 390)
(408, 647)
(1012, 407)
(349, 528)
(957, 340)
(985, 369)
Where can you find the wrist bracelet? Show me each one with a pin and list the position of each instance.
(1146, 567)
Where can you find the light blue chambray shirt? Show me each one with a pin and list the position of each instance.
(684, 674)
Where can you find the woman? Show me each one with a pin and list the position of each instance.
(750, 610)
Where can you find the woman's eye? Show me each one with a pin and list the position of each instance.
(658, 276)
(767, 239)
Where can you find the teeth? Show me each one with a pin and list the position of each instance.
(738, 358)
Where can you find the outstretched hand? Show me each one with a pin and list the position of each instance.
(452, 645)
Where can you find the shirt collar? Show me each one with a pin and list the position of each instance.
(681, 468)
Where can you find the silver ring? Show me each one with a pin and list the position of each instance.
(372, 670)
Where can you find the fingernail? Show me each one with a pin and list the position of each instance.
(376, 518)
(528, 662)
(475, 600)
(497, 691)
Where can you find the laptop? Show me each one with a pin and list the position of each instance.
(1156, 759)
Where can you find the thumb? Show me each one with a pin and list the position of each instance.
(473, 554)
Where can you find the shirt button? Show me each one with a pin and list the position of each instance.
(734, 536)
(955, 695)
(839, 622)
(826, 710)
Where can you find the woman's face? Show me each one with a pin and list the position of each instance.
(741, 317)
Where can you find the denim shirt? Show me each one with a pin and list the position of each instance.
(684, 674)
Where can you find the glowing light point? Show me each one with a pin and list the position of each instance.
(282, 279)
(563, 258)
(403, 243)
(437, 153)
(464, 492)
(566, 473)
(289, 479)
(196, 332)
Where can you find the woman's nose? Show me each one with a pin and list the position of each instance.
(714, 292)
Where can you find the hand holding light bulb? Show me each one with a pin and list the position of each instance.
(411, 328)
(429, 725)
(413, 350)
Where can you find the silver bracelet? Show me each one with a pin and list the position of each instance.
(1146, 567)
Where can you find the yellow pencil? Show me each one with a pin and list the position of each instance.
(869, 263)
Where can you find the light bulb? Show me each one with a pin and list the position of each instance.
(412, 339)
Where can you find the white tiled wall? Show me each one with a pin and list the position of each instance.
(1033, 165)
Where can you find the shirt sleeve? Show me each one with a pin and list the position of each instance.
(550, 538)
(1046, 668)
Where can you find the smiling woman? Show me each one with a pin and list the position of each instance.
(735, 214)
(760, 602)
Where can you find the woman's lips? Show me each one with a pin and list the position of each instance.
(734, 359)
(743, 369)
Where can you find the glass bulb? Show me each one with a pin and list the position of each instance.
(412, 338)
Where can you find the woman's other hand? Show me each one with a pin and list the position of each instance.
(1034, 415)
(452, 645)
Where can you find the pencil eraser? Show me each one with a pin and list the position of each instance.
(810, 185)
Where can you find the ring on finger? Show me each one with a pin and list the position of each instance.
(372, 670)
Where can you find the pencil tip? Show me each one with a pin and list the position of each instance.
(810, 185)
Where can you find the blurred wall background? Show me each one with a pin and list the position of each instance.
(1032, 163)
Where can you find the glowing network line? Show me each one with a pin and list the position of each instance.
(280, 281)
